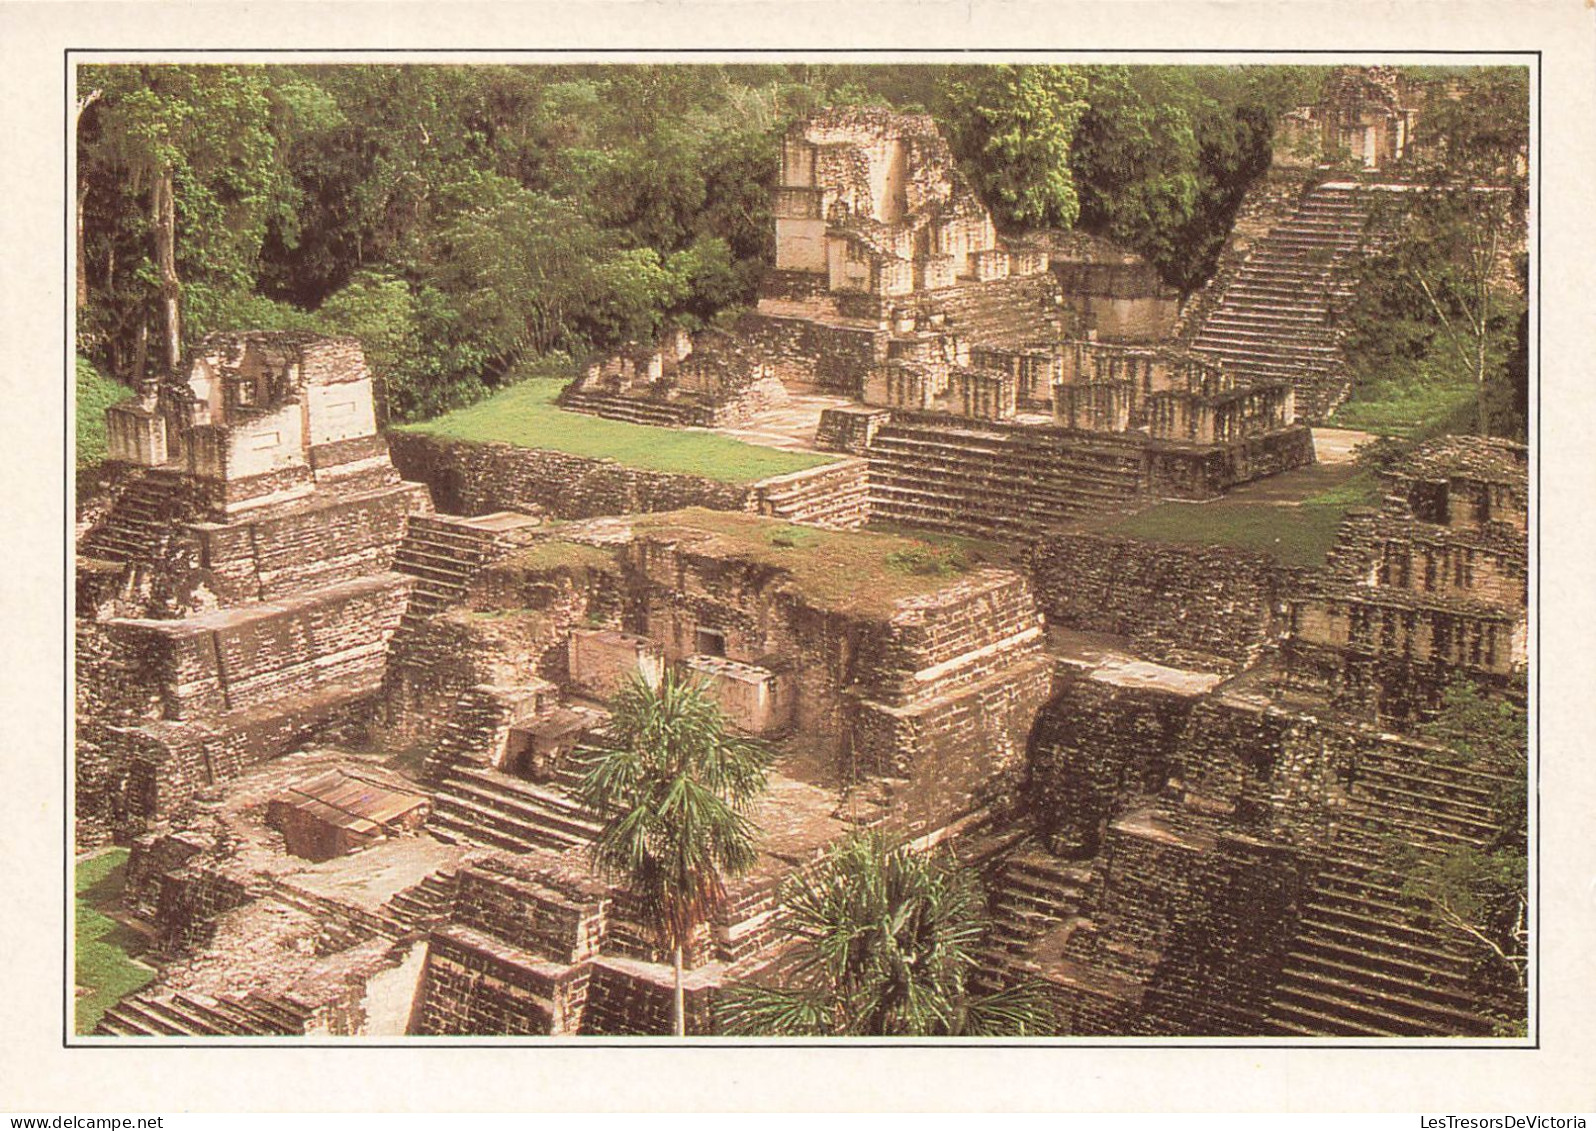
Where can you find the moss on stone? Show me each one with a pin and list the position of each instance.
(839, 570)
(556, 554)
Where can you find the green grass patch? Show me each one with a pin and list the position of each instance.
(525, 415)
(556, 554)
(95, 393)
(105, 948)
(1294, 535)
(1410, 407)
(846, 571)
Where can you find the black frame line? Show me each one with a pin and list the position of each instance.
(844, 1044)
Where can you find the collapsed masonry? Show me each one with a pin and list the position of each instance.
(946, 355)
(1231, 847)
(908, 710)
(1208, 848)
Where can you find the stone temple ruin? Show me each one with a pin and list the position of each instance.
(1365, 115)
(339, 715)
(946, 356)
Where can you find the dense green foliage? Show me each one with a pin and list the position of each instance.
(675, 791)
(461, 220)
(885, 940)
(95, 394)
(464, 221)
(1013, 127)
(1164, 156)
(1440, 316)
(105, 949)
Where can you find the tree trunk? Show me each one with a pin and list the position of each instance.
(141, 343)
(165, 207)
(82, 266)
(84, 103)
(1479, 369)
(680, 1003)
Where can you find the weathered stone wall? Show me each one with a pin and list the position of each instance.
(676, 591)
(1181, 472)
(1097, 750)
(1199, 923)
(516, 623)
(153, 769)
(1209, 607)
(626, 998)
(280, 555)
(190, 898)
(933, 644)
(560, 918)
(957, 752)
(478, 985)
(255, 656)
(822, 356)
(472, 478)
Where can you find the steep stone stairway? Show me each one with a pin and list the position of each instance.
(1014, 483)
(1277, 318)
(1367, 961)
(442, 553)
(1034, 892)
(168, 1013)
(139, 522)
(479, 805)
(836, 496)
(425, 904)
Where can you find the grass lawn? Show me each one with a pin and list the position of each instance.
(842, 570)
(105, 948)
(95, 394)
(1299, 534)
(1408, 407)
(525, 415)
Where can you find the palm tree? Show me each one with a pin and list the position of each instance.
(674, 791)
(886, 940)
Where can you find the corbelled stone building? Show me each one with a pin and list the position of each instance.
(237, 596)
(946, 355)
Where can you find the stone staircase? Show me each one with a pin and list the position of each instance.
(1004, 483)
(342, 925)
(636, 410)
(443, 554)
(1366, 961)
(139, 522)
(168, 1013)
(476, 722)
(1276, 319)
(1033, 893)
(836, 496)
(1002, 312)
(426, 904)
(476, 805)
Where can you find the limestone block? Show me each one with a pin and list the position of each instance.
(602, 661)
(753, 698)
